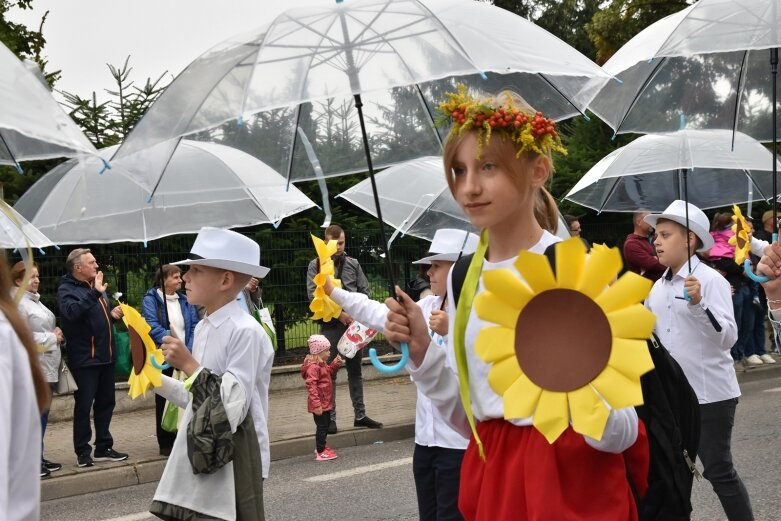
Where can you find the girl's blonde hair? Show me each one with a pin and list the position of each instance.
(8, 308)
(505, 151)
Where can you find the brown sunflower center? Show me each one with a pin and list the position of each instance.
(562, 340)
(741, 242)
(137, 350)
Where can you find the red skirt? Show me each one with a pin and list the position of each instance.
(525, 478)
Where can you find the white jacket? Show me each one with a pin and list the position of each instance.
(42, 324)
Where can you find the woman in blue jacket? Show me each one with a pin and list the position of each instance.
(182, 318)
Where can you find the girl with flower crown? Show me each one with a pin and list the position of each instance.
(497, 160)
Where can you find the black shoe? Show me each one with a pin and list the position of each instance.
(110, 455)
(84, 460)
(367, 422)
(44, 471)
(51, 466)
(332, 427)
(165, 451)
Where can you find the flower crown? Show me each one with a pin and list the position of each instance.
(533, 132)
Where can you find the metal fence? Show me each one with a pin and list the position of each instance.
(130, 269)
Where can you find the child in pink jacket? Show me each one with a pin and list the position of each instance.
(319, 386)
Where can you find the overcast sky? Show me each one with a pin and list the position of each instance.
(159, 35)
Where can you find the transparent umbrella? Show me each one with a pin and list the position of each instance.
(414, 198)
(205, 184)
(32, 124)
(649, 172)
(17, 232)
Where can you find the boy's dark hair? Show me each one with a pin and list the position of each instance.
(333, 231)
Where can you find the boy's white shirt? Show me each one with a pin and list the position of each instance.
(687, 332)
(20, 431)
(437, 377)
(431, 429)
(232, 344)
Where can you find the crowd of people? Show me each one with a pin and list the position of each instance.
(470, 461)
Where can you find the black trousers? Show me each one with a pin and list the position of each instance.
(321, 429)
(716, 420)
(437, 472)
(165, 439)
(333, 331)
(96, 394)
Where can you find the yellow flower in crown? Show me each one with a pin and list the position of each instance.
(568, 347)
(144, 375)
(741, 239)
(322, 306)
(532, 132)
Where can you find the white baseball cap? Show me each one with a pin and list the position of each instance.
(698, 222)
(226, 250)
(449, 244)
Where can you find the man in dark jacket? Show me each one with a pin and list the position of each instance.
(349, 271)
(86, 323)
(639, 254)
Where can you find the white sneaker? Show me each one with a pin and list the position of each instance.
(753, 360)
(767, 359)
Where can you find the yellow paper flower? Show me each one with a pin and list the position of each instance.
(740, 240)
(322, 306)
(144, 375)
(568, 347)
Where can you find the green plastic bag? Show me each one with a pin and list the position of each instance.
(123, 361)
(170, 421)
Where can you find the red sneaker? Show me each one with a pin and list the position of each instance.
(326, 455)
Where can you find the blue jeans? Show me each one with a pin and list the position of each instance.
(744, 318)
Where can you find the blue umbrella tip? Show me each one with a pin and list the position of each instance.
(18, 168)
(618, 80)
(106, 166)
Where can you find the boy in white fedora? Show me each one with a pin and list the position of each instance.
(698, 328)
(439, 449)
(221, 452)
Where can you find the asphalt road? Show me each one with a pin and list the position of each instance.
(374, 482)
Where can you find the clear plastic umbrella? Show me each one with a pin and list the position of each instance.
(414, 198)
(17, 232)
(205, 184)
(32, 124)
(648, 173)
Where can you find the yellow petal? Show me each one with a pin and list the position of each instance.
(570, 256)
(588, 412)
(536, 271)
(520, 399)
(492, 309)
(618, 390)
(551, 417)
(629, 289)
(508, 287)
(495, 343)
(630, 358)
(635, 321)
(602, 266)
(503, 374)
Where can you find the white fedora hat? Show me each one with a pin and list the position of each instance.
(698, 222)
(226, 250)
(450, 244)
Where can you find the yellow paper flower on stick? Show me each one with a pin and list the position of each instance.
(567, 347)
(322, 306)
(740, 240)
(143, 375)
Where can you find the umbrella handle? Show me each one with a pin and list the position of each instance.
(154, 363)
(753, 276)
(390, 369)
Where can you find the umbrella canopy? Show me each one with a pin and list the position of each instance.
(647, 174)
(707, 66)
(17, 232)
(205, 184)
(304, 68)
(414, 198)
(32, 124)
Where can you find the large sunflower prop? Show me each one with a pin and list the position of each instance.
(569, 347)
(740, 240)
(322, 306)
(143, 376)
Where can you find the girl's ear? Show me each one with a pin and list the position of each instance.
(540, 171)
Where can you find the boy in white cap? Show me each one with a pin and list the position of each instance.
(439, 449)
(221, 452)
(696, 322)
